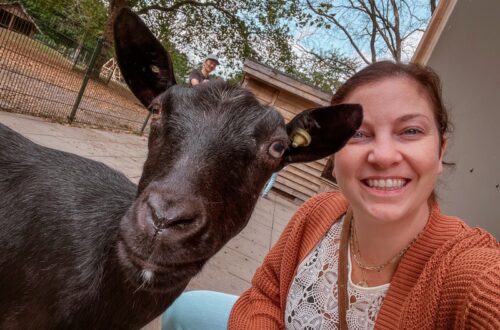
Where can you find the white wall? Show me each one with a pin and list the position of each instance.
(467, 57)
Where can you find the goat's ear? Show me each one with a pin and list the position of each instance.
(329, 129)
(144, 63)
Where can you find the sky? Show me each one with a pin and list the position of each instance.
(326, 40)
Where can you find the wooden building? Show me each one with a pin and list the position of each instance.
(14, 17)
(290, 97)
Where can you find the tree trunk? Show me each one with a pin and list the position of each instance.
(107, 45)
(114, 7)
(433, 6)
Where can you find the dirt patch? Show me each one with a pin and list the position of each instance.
(38, 80)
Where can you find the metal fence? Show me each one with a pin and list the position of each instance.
(50, 75)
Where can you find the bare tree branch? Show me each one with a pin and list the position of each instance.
(386, 27)
(343, 29)
(397, 36)
(386, 36)
(373, 40)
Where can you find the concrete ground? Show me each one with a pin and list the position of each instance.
(232, 268)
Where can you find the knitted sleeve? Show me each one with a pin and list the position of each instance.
(482, 309)
(259, 307)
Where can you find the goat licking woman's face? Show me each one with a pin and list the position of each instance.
(211, 150)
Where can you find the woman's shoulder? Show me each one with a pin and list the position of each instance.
(330, 199)
(317, 214)
(312, 221)
(473, 276)
(473, 260)
(462, 279)
(464, 265)
(457, 252)
(475, 249)
(325, 206)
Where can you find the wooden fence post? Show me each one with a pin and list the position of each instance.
(145, 123)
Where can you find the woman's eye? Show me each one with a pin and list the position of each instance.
(277, 149)
(359, 135)
(411, 131)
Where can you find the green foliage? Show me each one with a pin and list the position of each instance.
(234, 29)
(240, 29)
(65, 21)
(326, 70)
(265, 30)
(180, 61)
(236, 78)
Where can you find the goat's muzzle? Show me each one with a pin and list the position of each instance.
(175, 213)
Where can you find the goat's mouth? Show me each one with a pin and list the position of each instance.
(160, 250)
(150, 274)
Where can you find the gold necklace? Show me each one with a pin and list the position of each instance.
(364, 280)
(357, 254)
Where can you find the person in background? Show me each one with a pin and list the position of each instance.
(200, 76)
(379, 253)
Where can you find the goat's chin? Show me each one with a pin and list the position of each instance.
(151, 276)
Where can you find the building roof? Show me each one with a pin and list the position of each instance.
(285, 82)
(17, 9)
(433, 31)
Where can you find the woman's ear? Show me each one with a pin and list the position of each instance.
(444, 145)
(442, 151)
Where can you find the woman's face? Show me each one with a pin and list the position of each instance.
(389, 168)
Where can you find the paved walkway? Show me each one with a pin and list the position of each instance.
(232, 268)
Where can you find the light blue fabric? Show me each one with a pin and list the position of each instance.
(196, 310)
(269, 184)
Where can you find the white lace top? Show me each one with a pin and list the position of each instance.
(312, 298)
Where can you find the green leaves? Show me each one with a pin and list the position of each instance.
(269, 31)
(264, 30)
(74, 19)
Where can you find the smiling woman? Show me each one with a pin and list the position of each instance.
(379, 253)
(389, 168)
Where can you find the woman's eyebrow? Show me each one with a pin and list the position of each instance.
(411, 116)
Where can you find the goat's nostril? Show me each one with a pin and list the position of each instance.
(170, 217)
(179, 222)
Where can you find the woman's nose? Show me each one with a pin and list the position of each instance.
(385, 153)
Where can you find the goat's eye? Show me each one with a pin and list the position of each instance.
(155, 109)
(277, 149)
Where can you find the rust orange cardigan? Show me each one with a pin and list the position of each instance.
(448, 279)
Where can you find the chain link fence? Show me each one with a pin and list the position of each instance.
(45, 73)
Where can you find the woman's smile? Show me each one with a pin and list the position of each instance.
(389, 184)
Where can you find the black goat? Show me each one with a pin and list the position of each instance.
(81, 247)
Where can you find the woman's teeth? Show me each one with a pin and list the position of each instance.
(386, 183)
